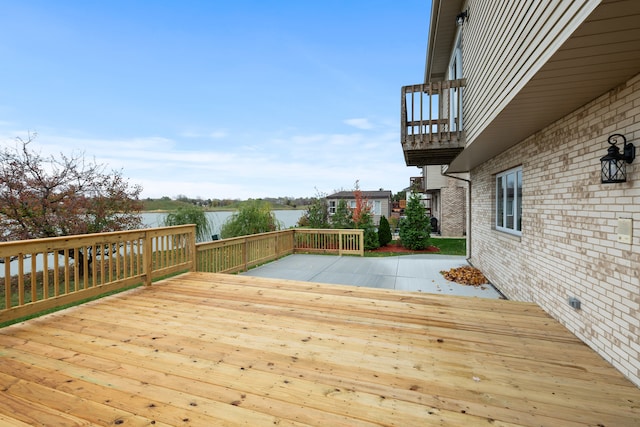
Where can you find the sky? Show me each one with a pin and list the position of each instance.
(216, 99)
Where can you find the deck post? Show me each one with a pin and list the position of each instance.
(147, 257)
(192, 249)
(245, 254)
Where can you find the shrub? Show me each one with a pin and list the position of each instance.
(384, 231)
(371, 240)
(415, 227)
(191, 214)
(317, 215)
(253, 217)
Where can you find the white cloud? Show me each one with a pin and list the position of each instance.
(363, 124)
(290, 164)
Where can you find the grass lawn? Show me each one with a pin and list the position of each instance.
(450, 246)
(445, 246)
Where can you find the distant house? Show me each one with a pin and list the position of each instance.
(380, 202)
(445, 198)
(524, 96)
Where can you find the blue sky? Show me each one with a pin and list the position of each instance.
(216, 99)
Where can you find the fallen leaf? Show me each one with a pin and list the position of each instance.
(465, 276)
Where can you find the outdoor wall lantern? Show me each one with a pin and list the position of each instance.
(461, 17)
(614, 164)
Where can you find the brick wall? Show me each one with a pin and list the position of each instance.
(453, 204)
(569, 246)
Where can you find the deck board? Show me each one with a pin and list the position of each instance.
(225, 350)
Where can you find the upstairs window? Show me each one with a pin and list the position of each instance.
(455, 94)
(377, 207)
(509, 201)
(332, 207)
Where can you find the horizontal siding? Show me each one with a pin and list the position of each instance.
(505, 44)
(435, 180)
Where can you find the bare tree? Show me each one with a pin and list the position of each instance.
(58, 196)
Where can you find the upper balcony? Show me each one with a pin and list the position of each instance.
(416, 183)
(431, 122)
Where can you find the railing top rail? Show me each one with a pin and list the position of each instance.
(94, 237)
(329, 230)
(434, 87)
(241, 239)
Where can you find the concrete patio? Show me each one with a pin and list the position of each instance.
(417, 273)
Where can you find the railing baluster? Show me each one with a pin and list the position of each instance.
(67, 272)
(20, 279)
(45, 275)
(131, 262)
(92, 268)
(56, 274)
(34, 282)
(7, 282)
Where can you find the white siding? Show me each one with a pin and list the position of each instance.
(504, 44)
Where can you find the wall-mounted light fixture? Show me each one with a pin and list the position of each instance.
(614, 164)
(462, 17)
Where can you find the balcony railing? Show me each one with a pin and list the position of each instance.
(416, 183)
(431, 122)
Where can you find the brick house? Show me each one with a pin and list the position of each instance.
(445, 198)
(528, 93)
(380, 202)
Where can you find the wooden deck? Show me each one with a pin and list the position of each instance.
(220, 350)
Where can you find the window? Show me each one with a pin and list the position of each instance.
(332, 207)
(377, 207)
(509, 201)
(455, 94)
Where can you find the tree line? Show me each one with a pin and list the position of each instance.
(53, 196)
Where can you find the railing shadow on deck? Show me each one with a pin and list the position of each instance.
(45, 274)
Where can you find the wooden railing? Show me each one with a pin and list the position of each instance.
(42, 274)
(328, 241)
(241, 253)
(431, 119)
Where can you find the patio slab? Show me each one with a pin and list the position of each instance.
(416, 273)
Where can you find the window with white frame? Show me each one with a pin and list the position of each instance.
(455, 94)
(332, 207)
(509, 201)
(377, 207)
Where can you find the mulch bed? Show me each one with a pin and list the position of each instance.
(395, 247)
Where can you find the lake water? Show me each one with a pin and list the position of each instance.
(288, 218)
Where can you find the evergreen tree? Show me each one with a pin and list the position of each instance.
(415, 227)
(384, 231)
(371, 240)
